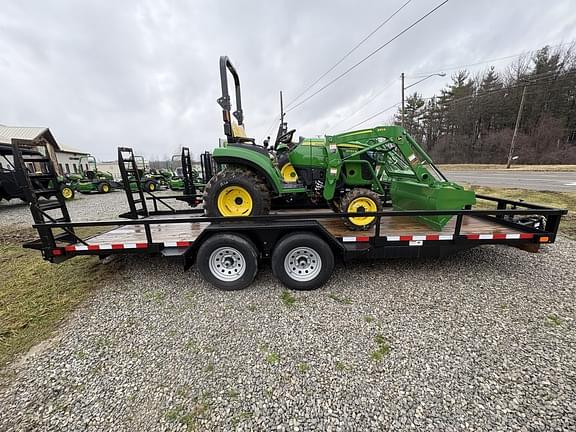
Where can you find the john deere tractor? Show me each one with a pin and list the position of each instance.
(354, 172)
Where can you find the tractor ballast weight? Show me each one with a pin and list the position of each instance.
(353, 172)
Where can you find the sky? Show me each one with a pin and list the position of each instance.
(144, 73)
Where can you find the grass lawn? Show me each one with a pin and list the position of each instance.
(565, 200)
(467, 167)
(35, 295)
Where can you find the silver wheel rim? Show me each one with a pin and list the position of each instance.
(227, 264)
(303, 264)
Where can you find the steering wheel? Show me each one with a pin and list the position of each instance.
(287, 137)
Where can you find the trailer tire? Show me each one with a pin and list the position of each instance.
(302, 261)
(228, 261)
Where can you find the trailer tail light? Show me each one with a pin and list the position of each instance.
(56, 252)
(544, 239)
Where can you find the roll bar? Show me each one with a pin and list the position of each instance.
(224, 101)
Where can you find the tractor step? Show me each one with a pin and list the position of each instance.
(174, 252)
(292, 185)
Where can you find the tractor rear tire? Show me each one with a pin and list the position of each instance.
(236, 192)
(360, 200)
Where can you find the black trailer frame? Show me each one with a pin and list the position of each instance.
(512, 223)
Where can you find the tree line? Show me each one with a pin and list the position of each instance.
(472, 120)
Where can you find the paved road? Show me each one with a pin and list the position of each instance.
(544, 181)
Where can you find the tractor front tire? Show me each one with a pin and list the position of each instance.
(67, 192)
(360, 200)
(150, 186)
(104, 188)
(236, 192)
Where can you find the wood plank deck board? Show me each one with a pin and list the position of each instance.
(400, 225)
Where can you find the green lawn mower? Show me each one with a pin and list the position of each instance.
(92, 179)
(149, 182)
(355, 172)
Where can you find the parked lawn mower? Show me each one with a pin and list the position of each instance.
(92, 179)
(149, 182)
(355, 172)
(177, 181)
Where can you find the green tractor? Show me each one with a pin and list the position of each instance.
(355, 172)
(92, 179)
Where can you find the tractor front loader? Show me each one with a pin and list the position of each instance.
(355, 172)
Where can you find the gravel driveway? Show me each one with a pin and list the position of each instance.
(483, 340)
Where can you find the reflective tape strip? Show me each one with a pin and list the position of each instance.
(180, 243)
(500, 236)
(474, 236)
(363, 239)
(95, 247)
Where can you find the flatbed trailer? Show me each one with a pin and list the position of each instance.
(301, 244)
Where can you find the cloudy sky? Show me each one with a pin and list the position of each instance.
(144, 73)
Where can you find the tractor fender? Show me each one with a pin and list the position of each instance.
(267, 171)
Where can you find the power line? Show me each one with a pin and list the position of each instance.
(350, 69)
(452, 67)
(348, 53)
(372, 116)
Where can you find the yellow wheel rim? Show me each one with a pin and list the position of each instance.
(288, 173)
(234, 201)
(362, 205)
(152, 187)
(67, 193)
(105, 188)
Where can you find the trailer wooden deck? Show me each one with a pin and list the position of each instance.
(170, 234)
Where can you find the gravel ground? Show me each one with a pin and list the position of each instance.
(483, 340)
(15, 215)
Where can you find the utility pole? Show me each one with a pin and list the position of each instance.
(402, 113)
(511, 152)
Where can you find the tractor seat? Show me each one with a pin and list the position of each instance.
(90, 175)
(252, 147)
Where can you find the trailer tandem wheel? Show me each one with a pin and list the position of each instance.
(228, 261)
(302, 261)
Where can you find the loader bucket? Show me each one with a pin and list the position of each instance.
(411, 195)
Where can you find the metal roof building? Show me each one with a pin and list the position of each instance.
(27, 133)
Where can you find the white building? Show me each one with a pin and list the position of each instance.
(67, 161)
(71, 161)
